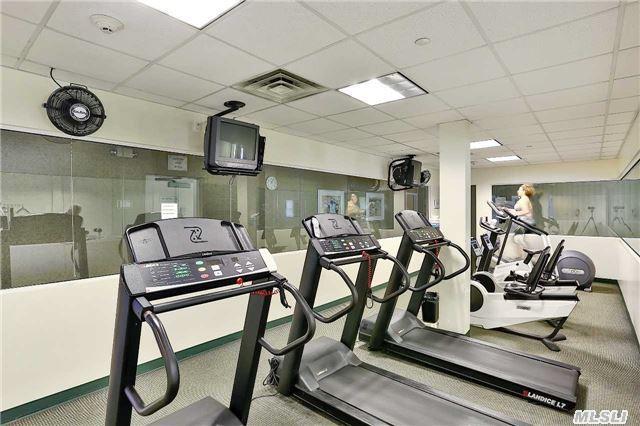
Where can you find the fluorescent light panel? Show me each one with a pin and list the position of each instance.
(489, 143)
(391, 87)
(505, 158)
(197, 13)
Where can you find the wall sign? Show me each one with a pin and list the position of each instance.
(177, 162)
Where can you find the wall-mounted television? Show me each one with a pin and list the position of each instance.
(232, 147)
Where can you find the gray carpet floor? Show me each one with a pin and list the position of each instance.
(600, 340)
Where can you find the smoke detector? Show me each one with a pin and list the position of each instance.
(280, 86)
(107, 24)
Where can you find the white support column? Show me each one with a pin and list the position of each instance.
(455, 210)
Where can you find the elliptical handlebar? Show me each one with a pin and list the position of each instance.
(170, 366)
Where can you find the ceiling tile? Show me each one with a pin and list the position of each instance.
(628, 62)
(578, 141)
(568, 97)
(318, 125)
(347, 135)
(67, 77)
(410, 136)
(201, 109)
(523, 139)
(14, 35)
(428, 145)
(447, 25)
(516, 131)
(630, 31)
(327, 103)
(360, 117)
(173, 84)
(387, 127)
(340, 65)
(585, 147)
(147, 33)
(614, 137)
(429, 120)
(453, 71)
(578, 123)
(369, 141)
(394, 148)
(625, 87)
(61, 51)
(621, 118)
(253, 103)
(492, 109)
(612, 145)
(202, 57)
(506, 122)
(134, 93)
(501, 20)
(278, 32)
(354, 17)
(534, 148)
(577, 40)
(572, 112)
(479, 93)
(579, 73)
(623, 104)
(32, 11)
(290, 131)
(567, 134)
(616, 128)
(8, 61)
(413, 106)
(280, 115)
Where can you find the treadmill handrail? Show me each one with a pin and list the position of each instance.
(353, 298)
(309, 316)
(405, 277)
(520, 222)
(467, 261)
(440, 277)
(170, 366)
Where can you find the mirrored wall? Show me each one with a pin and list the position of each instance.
(64, 204)
(595, 209)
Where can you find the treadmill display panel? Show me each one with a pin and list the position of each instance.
(352, 243)
(425, 234)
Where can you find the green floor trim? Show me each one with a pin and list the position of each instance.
(77, 391)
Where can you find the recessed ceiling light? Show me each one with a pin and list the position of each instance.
(505, 158)
(197, 13)
(422, 41)
(387, 88)
(489, 143)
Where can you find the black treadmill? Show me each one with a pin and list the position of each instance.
(180, 257)
(327, 376)
(400, 332)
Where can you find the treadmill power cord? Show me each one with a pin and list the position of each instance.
(271, 379)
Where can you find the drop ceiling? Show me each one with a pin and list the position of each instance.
(553, 81)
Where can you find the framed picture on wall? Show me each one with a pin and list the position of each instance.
(330, 201)
(375, 206)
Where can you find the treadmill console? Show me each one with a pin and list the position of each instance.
(229, 258)
(417, 227)
(333, 234)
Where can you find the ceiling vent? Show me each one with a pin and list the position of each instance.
(280, 86)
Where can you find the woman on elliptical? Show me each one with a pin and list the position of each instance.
(524, 208)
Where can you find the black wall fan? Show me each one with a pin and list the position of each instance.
(75, 110)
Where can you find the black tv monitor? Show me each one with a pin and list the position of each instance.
(231, 145)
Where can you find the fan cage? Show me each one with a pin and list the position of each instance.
(60, 102)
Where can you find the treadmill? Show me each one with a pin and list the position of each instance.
(399, 332)
(183, 258)
(326, 375)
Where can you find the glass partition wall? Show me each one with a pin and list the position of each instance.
(65, 203)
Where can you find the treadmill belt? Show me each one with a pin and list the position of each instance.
(395, 402)
(494, 361)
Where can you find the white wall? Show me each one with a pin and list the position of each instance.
(630, 150)
(57, 336)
